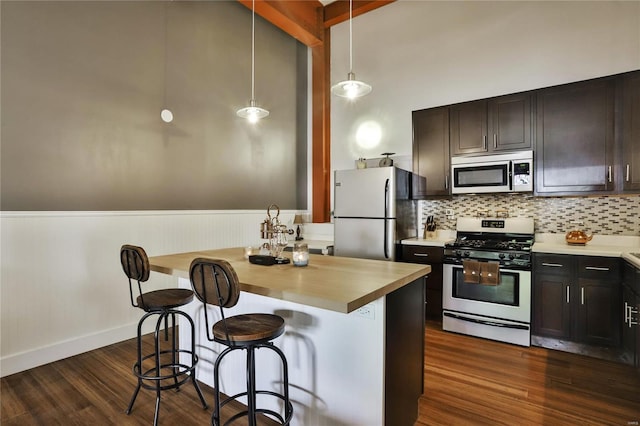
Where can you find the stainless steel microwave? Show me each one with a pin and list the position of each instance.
(512, 172)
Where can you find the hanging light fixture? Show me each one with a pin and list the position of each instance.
(351, 88)
(253, 113)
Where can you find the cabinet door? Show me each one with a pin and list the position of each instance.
(598, 322)
(468, 127)
(552, 274)
(598, 298)
(551, 306)
(574, 138)
(431, 256)
(631, 133)
(509, 122)
(431, 150)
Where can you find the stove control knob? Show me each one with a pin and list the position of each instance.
(512, 256)
(458, 253)
(501, 255)
(467, 254)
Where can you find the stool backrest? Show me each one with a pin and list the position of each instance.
(135, 264)
(215, 282)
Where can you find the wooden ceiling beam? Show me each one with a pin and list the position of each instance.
(338, 11)
(303, 20)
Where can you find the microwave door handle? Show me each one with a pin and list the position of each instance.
(510, 176)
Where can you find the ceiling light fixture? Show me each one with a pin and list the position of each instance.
(351, 88)
(253, 113)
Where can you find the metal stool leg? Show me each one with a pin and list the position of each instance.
(251, 386)
(138, 365)
(194, 360)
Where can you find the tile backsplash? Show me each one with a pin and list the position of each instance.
(605, 215)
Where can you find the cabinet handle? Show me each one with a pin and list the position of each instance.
(421, 254)
(553, 265)
(446, 181)
(484, 142)
(627, 173)
(495, 141)
(609, 173)
(596, 268)
(626, 314)
(582, 295)
(567, 294)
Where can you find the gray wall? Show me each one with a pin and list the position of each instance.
(83, 84)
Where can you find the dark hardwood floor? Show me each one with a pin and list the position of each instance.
(468, 381)
(480, 382)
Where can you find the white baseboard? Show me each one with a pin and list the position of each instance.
(16, 363)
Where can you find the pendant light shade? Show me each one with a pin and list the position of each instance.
(351, 88)
(253, 113)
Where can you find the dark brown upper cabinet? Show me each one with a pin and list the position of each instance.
(574, 149)
(491, 125)
(431, 150)
(630, 161)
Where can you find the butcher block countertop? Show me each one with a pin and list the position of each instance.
(339, 284)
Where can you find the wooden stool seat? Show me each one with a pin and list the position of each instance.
(248, 329)
(164, 299)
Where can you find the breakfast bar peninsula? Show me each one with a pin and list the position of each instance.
(354, 336)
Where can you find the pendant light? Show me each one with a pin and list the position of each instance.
(253, 113)
(351, 88)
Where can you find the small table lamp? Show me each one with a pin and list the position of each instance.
(297, 220)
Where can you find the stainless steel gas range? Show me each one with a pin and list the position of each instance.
(487, 279)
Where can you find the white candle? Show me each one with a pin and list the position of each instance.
(300, 254)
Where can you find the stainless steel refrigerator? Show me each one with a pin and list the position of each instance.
(373, 212)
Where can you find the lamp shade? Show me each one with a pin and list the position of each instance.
(351, 88)
(297, 220)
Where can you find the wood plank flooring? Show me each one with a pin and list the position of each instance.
(472, 381)
(468, 381)
(95, 388)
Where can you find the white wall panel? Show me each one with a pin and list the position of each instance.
(63, 291)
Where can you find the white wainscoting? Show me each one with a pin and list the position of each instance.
(62, 288)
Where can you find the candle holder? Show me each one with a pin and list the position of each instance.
(300, 254)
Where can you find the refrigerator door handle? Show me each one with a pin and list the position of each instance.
(386, 215)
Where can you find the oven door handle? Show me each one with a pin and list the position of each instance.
(485, 322)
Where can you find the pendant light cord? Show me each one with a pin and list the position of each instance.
(350, 35)
(253, 49)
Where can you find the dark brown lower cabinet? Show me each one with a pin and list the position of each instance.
(577, 298)
(431, 256)
(631, 314)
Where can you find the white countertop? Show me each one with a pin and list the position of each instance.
(600, 245)
(442, 236)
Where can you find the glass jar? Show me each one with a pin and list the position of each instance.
(300, 254)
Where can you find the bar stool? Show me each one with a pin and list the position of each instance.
(215, 283)
(162, 369)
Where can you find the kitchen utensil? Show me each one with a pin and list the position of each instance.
(578, 237)
(386, 162)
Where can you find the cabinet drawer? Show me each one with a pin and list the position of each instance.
(601, 268)
(555, 264)
(422, 254)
